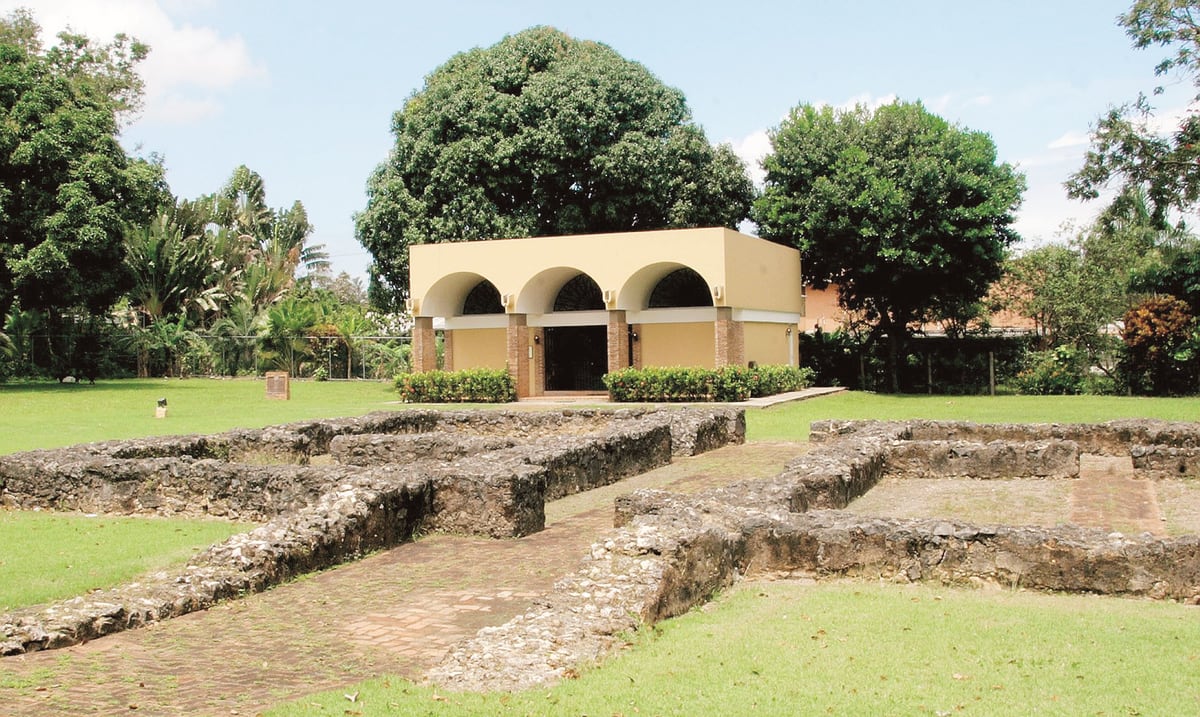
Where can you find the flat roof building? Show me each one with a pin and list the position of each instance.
(560, 312)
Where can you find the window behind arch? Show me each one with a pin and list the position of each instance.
(682, 287)
(579, 294)
(484, 298)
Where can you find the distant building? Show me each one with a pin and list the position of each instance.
(823, 312)
(560, 312)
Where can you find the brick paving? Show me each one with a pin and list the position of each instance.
(1106, 495)
(396, 612)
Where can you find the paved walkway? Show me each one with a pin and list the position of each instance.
(396, 612)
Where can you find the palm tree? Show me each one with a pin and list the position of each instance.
(288, 324)
(238, 329)
(171, 271)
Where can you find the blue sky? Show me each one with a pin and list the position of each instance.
(303, 91)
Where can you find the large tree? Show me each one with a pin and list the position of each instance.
(67, 188)
(542, 134)
(907, 214)
(1126, 146)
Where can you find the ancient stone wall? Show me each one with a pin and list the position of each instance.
(670, 552)
(483, 482)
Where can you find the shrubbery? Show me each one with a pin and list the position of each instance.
(729, 383)
(1061, 371)
(479, 385)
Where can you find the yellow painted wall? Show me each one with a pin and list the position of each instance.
(480, 348)
(767, 344)
(678, 344)
(761, 275)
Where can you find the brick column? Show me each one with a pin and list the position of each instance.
(637, 346)
(448, 350)
(618, 340)
(730, 339)
(424, 345)
(538, 386)
(518, 353)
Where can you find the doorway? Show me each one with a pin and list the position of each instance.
(576, 357)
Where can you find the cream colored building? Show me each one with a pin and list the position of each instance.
(560, 312)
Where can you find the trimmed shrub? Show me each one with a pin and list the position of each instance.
(677, 384)
(479, 385)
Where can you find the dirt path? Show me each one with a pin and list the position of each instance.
(395, 612)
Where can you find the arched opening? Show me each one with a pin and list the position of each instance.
(581, 293)
(577, 356)
(682, 287)
(484, 298)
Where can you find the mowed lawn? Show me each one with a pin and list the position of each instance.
(51, 415)
(46, 556)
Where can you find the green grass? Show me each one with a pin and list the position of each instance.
(861, 649)
(50, 415)
(790, 421)
(49, 556)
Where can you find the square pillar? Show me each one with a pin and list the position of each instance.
(730, 339)
(424, 345)
(636, 345)
(448, 350)
(518, 353)
(618, 340)
(538, 369)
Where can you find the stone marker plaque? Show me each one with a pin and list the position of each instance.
(278, 386)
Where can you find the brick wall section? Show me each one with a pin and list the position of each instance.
(518, 353)
(618, 340)
(424, 346)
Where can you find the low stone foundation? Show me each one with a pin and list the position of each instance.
(671, 552)
(475, 479)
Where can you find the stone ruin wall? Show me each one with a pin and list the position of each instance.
(482, 475)
(671, 552)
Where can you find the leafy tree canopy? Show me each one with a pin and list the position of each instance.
(67, 189)
(1125, 145)
(907, 214)
(542, 134)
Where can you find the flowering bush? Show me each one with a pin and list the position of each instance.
(729, 383)
(1162, 345)
(480, 385)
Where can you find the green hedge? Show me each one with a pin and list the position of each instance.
(729, 383)
(480, 385)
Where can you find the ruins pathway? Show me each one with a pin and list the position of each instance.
(1106, 495)
(396, 612)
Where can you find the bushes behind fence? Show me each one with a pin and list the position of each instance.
(479, 385)
(729, 383)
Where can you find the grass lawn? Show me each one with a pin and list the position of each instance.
(50, 556)
(790, 421)
(51, 415)
(848, 648)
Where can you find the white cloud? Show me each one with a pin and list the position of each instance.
(752, 148)
(188, 66)
(866, 100)
(1071, 139)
